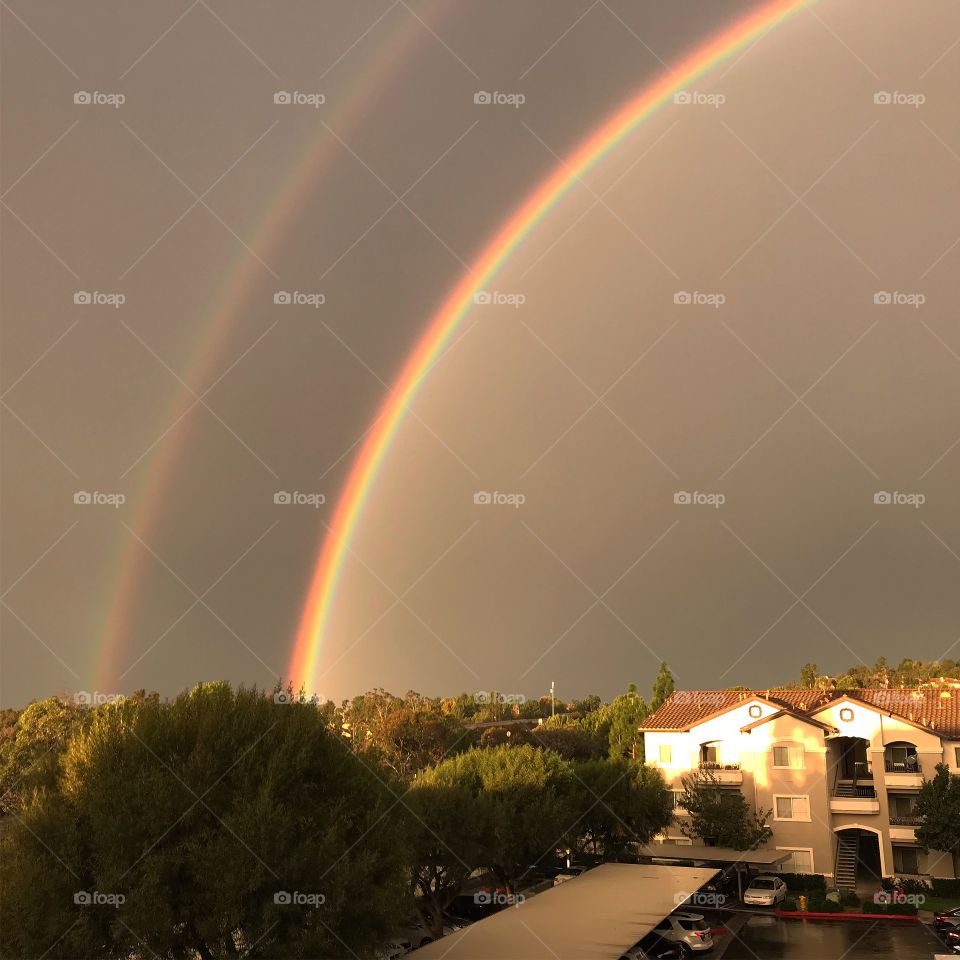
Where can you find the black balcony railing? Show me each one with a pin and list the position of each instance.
(910, 765)
(862, 770)
(862, 791)
(911, 821)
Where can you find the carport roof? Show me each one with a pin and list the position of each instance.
(595, 916)
(754, 858)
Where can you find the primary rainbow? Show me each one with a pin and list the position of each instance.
(363, 474)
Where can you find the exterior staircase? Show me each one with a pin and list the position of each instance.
(848, 853)
(845, 789)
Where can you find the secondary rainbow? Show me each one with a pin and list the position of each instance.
(245, 285)
(363, 473)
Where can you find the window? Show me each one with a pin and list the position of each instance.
(666, 753)
(677, 799)
(791, 808)
(906, 860)
(846, 714)
(788, 755)
(710, 754)
(901, 806)
(956, 756)
(801, 861)
(754, 711)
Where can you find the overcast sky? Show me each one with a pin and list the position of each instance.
(785, 201)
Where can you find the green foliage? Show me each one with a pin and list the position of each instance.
(445, 844)
(404, 734)
(198, 813)
(945, 887)
(663, 687)
(721, 817)
(572, 742)
(938, 802)
(809, 673)
(804, 882)
(31, 748)
(908, 673)
(625, 714)
(889, 909)
(616, 802)
(519, 804)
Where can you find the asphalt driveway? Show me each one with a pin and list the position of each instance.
(767, 938)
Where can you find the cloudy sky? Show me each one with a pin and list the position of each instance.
(749, 304)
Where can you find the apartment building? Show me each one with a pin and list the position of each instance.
(839, 769)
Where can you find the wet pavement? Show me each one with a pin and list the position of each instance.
(767, 938)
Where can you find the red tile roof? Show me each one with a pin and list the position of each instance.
(933, 709)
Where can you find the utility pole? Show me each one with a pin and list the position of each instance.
(553, 711)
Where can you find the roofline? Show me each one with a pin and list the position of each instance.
(717, 713)
(803, 718)
(883, 712)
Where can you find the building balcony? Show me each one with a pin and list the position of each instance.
(726, 774)
(902, 774)
(852, 797)
(904, 829)
(854, 805)
(911, 821)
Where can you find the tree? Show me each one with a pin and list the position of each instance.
(511, 735)
(615, 803)
(588, 704)
(443, 820)
(518, 802)
(410, 740)
(720, 816)
(626, 713)
(571, 741)
(938, 802)
(31, 751)
(809, 674)
(663, 687)
(227, 823)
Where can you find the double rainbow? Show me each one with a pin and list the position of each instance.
(366, 468)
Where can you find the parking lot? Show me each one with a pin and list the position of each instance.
(767, 938)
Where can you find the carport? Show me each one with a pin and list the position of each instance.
(724, 857)
(596, 916)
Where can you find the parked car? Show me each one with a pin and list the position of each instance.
(949, 931)
(946, 917)
(568, 874)
(393, 950)
(765, 890)
(654, 947)
(419, 934)
(689, 930)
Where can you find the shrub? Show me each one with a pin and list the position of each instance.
(890, 909)
(946, 888)
(804, 882)
(917, 887)
(818, 903)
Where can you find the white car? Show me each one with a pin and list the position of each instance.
(766, 890)
(689, 930)
(393, 950)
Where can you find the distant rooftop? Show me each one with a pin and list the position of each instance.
(936, 709)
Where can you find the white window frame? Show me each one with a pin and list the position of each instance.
(791, 796)
(669, 761)
(787, 744)
(808, 850)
